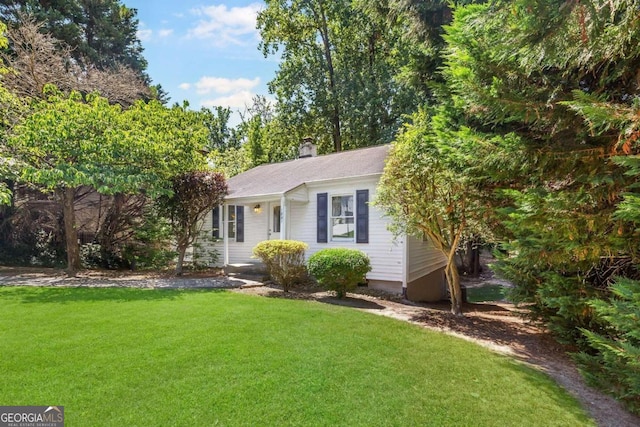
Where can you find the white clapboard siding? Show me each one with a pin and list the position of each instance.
(422, 258)
(384, 251)
(205, 245)
(385, 254)
(255, 231)
(256, 228)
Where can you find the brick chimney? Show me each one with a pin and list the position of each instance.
(307, 148)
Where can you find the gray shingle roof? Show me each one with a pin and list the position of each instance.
(278, 178)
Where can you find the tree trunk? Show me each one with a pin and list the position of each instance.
(455, 291)
(476, 261)
(110, 226)
(67, 197)
(335, 114)
(467, 265)
(182, 250)
(453, 278)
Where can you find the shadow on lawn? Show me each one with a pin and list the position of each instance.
(29, 295)
(327, 299)
(488, 322)
(351, 302)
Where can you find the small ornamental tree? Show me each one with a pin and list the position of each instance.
(194, 195)
(426, 190)
(339, 269)
(284, 260)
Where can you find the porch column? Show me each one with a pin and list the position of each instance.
(284, 213)
(225, 235)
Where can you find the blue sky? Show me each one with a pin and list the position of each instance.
(205, 52)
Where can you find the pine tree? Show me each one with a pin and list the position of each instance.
(101, 33)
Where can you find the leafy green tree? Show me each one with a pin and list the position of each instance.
(69, 142)
(419, 25)
(221, 136)
(194, 195)
(102, 33)
(426, 191)
(336, 78)
(9, 106)
(61, 146)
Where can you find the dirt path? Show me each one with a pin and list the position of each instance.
(497, 326)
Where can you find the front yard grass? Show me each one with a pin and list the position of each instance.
(126, 357)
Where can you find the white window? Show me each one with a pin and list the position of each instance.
(231, 221)
(342, 218)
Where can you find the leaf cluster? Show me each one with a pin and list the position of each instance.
(194, 194)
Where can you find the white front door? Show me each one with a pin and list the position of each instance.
(274, 221)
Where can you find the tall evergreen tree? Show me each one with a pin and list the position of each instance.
(101, 33)
(523, 74)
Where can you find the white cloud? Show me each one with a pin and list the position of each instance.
(223, 25)
(147, 34)
(144, 34)
(165, 32)
(223, 85)
(239, 99)
(236, 94)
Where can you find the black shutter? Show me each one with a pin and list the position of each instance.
(239, 223)
(362, 216)
(323, 220)
(215, 222)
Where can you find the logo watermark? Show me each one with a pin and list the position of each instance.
(31, 416)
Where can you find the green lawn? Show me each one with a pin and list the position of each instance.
(491, 292)
(127, 357)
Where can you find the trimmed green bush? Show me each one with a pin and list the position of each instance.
(284, 260)
(339, 269)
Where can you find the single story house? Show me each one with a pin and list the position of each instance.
(324, 201)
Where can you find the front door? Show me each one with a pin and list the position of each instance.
(274, 221)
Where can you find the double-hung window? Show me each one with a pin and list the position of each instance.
(342, 218)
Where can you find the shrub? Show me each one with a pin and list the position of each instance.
(205, 254)
(284, 260)
(339, 269)
(614, 363)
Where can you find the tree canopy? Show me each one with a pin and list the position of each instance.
(336, 77)
(72, 141)
(102, 33)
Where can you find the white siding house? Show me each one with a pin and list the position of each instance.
(324, 201)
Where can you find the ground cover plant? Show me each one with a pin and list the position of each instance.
(491, 292)
(116, 356)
